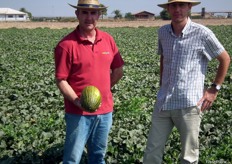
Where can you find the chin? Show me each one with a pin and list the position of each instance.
(90, 26)
(178, 20)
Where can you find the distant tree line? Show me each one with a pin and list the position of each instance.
(25, 11)
(117, 15)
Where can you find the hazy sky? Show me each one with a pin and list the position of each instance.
(61, 7)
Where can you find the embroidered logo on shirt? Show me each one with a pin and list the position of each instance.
(105, 53)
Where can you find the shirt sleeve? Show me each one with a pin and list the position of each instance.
(62, 63)
(213, 47)
(160, 49)
(117, 61)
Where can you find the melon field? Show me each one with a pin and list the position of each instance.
(31, 107)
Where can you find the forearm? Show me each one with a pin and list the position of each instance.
(115, 76)
(211, 93)
(224, 62)
(161, 69)
(67, 90)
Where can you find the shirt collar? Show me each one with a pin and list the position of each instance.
(82, 39)
(187, 26)
(184, 31)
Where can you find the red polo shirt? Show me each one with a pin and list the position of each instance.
(82, 63)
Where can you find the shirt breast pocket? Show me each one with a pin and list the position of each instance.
(190, 56)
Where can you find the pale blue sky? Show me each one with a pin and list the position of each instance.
(61, 7)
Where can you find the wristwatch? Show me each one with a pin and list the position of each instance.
(216, 86)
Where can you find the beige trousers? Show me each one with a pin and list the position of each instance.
(187, 121)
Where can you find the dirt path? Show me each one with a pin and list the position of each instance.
(60, 25)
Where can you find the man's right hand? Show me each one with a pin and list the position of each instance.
(77, 103)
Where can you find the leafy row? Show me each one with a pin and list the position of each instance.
(31, 112)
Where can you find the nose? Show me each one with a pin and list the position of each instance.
(177, 8)
(89, 14)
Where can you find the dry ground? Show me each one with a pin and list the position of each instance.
(154, 23)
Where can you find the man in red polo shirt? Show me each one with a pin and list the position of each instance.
(87, 56)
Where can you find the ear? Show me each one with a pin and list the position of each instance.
(167, 8)
(76, 12)
(190, 6)
(99, 14)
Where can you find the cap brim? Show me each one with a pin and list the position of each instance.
(166, 4)
(91, 8)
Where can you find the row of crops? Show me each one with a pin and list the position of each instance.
(31, 107)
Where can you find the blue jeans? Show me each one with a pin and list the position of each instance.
(89, 131)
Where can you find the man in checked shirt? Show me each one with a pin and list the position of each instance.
(185, 48)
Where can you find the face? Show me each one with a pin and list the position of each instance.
(179, 11)
(87, 19)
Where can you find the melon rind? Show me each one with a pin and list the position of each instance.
(90, 98)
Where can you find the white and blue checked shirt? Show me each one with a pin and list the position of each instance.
(185, 60)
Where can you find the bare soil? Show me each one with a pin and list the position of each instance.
(111, 24)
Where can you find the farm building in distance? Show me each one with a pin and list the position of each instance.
(8, 14)
(213, 14)
(144, 15)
